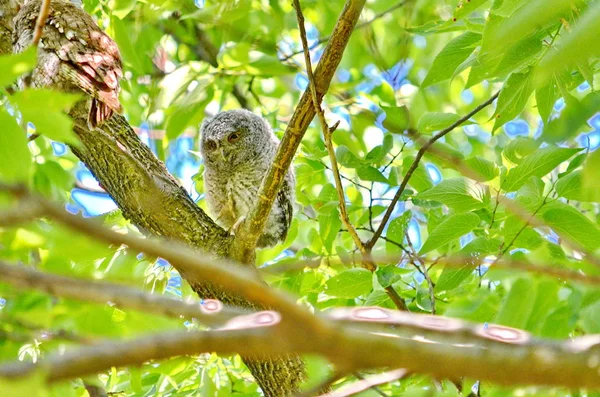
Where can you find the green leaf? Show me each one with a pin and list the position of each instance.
(545, 98)
(15, 158)
(507, 7)
(378, 153)
(573, 119)
(464, 8)
(518, 148)
(575, 46)
(518, 305)
(537, 164)
(590, 318)
(346, 158)
(572, 225)
(456, 193)
(379, 298)
(453, 277)
(453, 54)
(450, 229)
(513, 98)
(434, 121)
(398, 226)
(329, 227)
(184, 116)
(13, 66)
(484, 170)
(350, 283)
(534, 16)
(50, 119)
(368, 173)
(573, 187)
(397, 118)
(121, 8)
(546, 301)
(261, 64)
(420, 179)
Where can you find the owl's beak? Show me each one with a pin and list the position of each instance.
(222, 151)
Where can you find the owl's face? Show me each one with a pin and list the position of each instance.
(234, 138)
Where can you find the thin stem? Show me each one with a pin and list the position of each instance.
(41, 22)
(371, 243)
(327, 132)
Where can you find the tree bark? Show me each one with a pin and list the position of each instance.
(154, 201)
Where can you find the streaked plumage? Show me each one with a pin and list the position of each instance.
(238, 147)
(73, 54)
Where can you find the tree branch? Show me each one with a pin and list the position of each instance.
(367, 262)
(388, 213)
(251, 229)
(327, 132)
(196, 268)
(370, 382)
(211, 312)
(446, 349)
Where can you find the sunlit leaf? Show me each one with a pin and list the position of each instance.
(450, 229)
(538, 164)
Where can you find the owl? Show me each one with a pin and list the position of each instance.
(74, 55)
(238, 147)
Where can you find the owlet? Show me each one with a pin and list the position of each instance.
(238, 147)
(74, 55)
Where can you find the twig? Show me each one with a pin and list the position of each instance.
(245, 242)
(366, 262)
(370, 382)
(513, 206)
(211, 312)
(327, 132)
(386, 217)
(41, 22)
(357, 184)
(423, 270)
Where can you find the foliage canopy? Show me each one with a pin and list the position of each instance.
(409, 71)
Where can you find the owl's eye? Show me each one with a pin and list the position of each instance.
(233, 137)
(210, 145)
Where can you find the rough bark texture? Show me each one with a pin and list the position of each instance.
(153, 200)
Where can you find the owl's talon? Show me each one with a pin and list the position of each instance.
(236, 226)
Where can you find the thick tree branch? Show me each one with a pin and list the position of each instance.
(210, 312)
(388, 213)
(196, 267)
(252, 228)
(444, 348)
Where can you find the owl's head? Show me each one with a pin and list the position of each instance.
(234, 137)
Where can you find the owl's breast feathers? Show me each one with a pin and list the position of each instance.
(90, 59)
